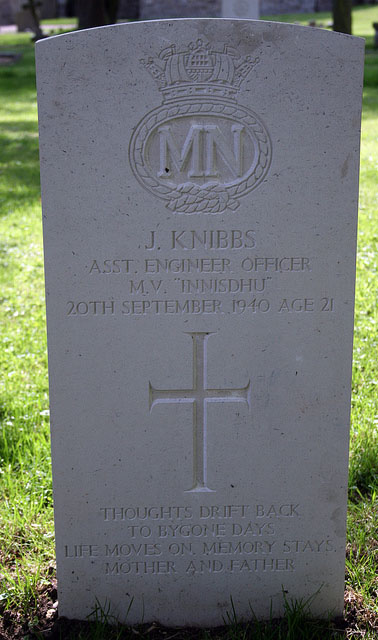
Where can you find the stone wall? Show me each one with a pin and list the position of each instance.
(273, 7)
(324, 5)
(155, 9)
(6, 13)
(128, 9)
(9, 9)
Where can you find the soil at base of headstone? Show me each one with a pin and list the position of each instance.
(42, 623)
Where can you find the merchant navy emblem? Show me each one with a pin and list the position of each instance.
(200, 151)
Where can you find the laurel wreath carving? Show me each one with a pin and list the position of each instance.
(193, 198)
(189, 197)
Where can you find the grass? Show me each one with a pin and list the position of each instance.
(59, 21)
(26, 536)
(362, 20)
(27, 588)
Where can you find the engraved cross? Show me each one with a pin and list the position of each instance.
(199, 396)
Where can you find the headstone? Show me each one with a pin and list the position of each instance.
(199, 184)
(241, 9)
(9, 57)
(25, 20)
(6, 12)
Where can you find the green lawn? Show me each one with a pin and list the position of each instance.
(59, 21)
(362, 22)
(26, 518)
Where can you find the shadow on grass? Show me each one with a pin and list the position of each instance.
(19, 165)
(363, 466)
(18, 80)
(371, 69)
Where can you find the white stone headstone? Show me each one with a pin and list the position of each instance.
(249, 9)
(199, 184)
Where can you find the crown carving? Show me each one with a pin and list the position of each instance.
(199, 71)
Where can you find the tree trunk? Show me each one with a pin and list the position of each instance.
(342, 16)
(31, 6)
(111, 10)
(91, 13)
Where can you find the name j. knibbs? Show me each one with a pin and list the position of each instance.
(205, 239)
